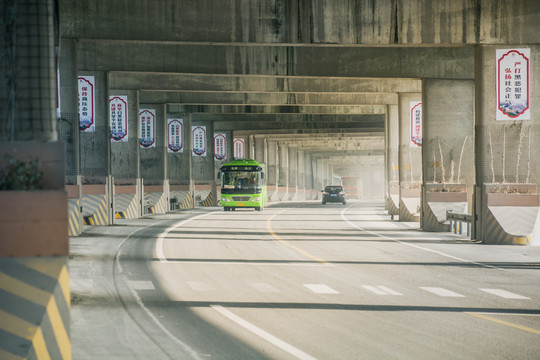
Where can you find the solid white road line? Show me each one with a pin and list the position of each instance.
(321, 289)
(441, 292)
(504, 294)
(163, 235)
(297, 353)
(412, 245)
(251, 263)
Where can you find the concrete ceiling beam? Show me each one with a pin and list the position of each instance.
(148, 81)
(263, 59)
(275, 99)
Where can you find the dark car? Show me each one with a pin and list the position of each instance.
(334, 193)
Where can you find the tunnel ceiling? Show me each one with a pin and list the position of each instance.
(318, 75)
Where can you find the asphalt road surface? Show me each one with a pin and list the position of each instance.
(299, 281)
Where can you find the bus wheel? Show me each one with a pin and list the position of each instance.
(226, 209)
(258, 208)
(232, 209)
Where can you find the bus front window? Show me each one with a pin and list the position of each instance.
(240, 180)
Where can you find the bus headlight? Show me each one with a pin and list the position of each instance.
(256, 199)
(225, 199)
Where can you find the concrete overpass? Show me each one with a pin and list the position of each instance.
(300, 82)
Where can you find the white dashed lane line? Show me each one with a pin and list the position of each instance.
(321, 289)
(441, 292)
(381, 290)
(504, 294)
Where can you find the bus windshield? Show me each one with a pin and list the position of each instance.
(241, 181)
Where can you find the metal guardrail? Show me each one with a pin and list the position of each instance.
(457, 220)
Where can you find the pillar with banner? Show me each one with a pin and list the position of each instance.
(506, 192)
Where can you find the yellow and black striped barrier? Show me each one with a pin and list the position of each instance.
(74, 217)
(125, 206)
(34, 308)
(96, 208)
(209, 200)
(494, 233)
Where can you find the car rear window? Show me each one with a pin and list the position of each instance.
(333, 188)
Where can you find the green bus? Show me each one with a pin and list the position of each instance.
(243, 185)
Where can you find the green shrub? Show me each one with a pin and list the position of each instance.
(21, 175)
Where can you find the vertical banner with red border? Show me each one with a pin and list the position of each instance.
(147, 126)
(220, 146)
(175, 135)
(198, 139)
(416, 124)
(239, 148)
(118, 111)
(87, 106)
(513, 90)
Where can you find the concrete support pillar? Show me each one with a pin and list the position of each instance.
(301, 180)
(153, 161)
(179, 169)
(68, 117)
(308, 177)
(203, 165)
(28, 72)
(322, 173)
(272, 170)
(507, 172)
(124, 155)
(283, 180)
(392, 160)
(250, 147)
(447, 150)
(259, 149)
(293, 173)
(373, 170)
(95, 146)
(316, 176)
(410, 162)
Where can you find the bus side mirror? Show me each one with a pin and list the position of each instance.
(219, 175)
(262, 175)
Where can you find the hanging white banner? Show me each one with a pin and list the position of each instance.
(118, 111)
(416, 124)
(87, 107)
(175, 135)
(220, 146)
(198, 138)
(147, 126)
(513, 95)
(238, 147)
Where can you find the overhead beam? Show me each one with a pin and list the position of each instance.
(254, 83)
(263, 59)
(266, 98)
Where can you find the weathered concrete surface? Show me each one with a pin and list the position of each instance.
(384, 22)
(448, 135)
(505, 150)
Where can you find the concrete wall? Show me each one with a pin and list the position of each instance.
(314, 21)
